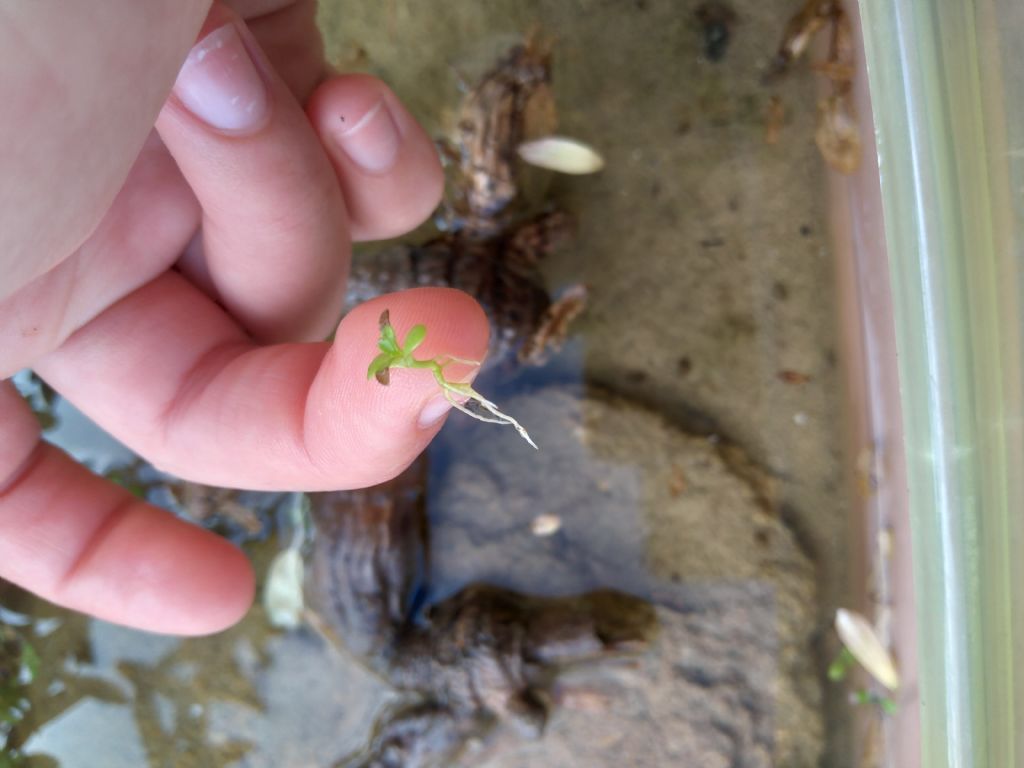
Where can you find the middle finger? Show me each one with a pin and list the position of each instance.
(275, 230)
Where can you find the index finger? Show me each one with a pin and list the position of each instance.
(172, 376)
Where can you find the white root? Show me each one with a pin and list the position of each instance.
(487, 405)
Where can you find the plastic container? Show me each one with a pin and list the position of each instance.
(948, 124)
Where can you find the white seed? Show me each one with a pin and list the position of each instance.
(557, 153)
(546, 525)
(282, 595)
(860, 638)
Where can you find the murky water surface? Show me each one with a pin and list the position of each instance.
(689, 433)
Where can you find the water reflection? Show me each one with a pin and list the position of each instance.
(670, 444)
(131, 698)
(91, 734)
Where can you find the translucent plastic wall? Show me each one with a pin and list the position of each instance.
(947, 91)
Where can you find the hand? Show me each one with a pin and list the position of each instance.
(146, 272)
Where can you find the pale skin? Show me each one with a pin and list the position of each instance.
(171, 278)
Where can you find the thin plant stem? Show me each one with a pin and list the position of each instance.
(394, 355)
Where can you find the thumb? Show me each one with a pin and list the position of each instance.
(392, 424)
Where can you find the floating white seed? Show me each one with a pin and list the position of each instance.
(557, 153)
(546, 525)
(859, 637)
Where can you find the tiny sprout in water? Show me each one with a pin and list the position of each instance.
(462, 396)
(847, 659)
(841, 665)
(860, 639)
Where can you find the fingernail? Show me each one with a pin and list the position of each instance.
(434, 411)
(219, 83)
(372, 140)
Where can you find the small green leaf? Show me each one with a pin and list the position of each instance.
(886, 704)
(387, 342)
(380, 363)
(414, 338)
(862, 697)
(840, 666)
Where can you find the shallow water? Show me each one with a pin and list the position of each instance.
(689, 430)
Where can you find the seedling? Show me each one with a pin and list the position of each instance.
(861, 645)
(461, 395)
(861, 640)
